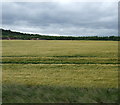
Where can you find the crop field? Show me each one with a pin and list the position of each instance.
(49, 71)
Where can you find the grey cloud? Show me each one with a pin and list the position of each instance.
(56, 18)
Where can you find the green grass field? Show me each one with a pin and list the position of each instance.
(37, 71)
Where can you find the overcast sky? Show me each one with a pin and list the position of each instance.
(61, 18)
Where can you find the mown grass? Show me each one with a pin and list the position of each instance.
(60, 71)
(59, 60)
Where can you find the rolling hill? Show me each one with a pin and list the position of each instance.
(11, 35)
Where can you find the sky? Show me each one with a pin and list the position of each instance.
(61, 18)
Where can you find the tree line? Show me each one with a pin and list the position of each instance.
(10, 35)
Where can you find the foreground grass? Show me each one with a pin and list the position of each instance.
(60, 71)
(17, 93)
